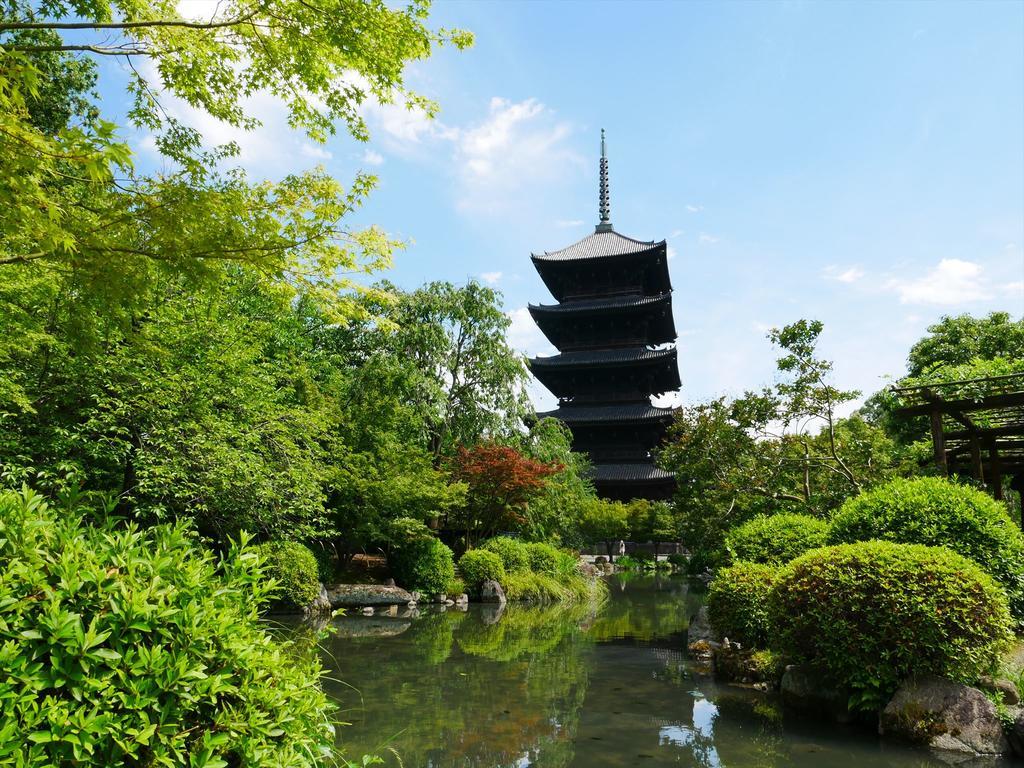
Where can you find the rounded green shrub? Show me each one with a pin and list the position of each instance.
(480, 565)
(423, 564)
(938, 512)
(513, 552)
(294, 567)
(123, 646)
(874, 613)
(776, 539)
(737, 602)
(543, 558)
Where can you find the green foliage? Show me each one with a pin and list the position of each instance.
(543, 558)
(295, 569)
(513, 552)
(480, 565)
(526, 586)
(874, 613)
(938, 512)
(964, 340)
(775, 539)
(678, 561)
(737, 602)
(782, 449)
(633, 563)
(558, 511)
(418, 560)
(123, 646)
(605, 521)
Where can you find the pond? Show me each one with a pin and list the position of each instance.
(569, 686)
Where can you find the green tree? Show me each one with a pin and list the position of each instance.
(604, 521)
(961, 339)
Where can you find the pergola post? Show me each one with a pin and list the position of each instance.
(939, 441)
(977, 470)
(995, 470)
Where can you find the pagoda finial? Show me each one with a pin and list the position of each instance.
(605, 207)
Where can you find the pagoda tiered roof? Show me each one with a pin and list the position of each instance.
(603, 305)
(619, 413)
(604, 357)
(640, 471)
(600, 245)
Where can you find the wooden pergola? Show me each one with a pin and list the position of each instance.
(977, 426)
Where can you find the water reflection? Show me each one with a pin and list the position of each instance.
(567, 686)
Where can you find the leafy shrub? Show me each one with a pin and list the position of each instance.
(776, 539)
(480, 565)
(124, 646)
(456, 586)
(526, 586)
(679, 561)
(937, 512)
(874, 613)
(543, 558)
(513, 552)
(293, 566)
(419, 560)
(737, 602)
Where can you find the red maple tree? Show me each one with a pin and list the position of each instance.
(501, 483)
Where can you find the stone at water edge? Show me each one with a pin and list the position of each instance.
(808, 690)
(359, 595)
(462, 599)
(1016, 734)
(600, 560)
(700, 629)
(945, 715)
(321, 603)
(491, 592)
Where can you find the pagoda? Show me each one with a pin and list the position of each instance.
(614, 331)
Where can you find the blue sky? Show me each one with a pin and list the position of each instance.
(858, 163)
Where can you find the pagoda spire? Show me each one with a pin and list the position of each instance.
(604, 204)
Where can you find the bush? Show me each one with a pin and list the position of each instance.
(775, 539)
(874, 613)
(543, 558)
(526, 586)
(294, 567)
(137, 647)
(419, 560)
(937, 512)
(737, 602)
(480, 565)
(513, 553)
(678, 561)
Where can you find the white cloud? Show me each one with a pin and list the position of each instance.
(1014, 289)
(567, 223)
(695, 208)
(849, 275)
(953, 281)
(671, 253)
(525, 336)
(676, 233)
(708, 239)
(315, 151)
(518, 147)
(373, 158)
(491, 278)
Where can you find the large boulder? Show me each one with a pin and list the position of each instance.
(361, 595)
(700, 629)
(808, 690)
(491, 592)
(946, 716)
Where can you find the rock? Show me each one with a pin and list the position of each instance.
(439, 599)
(588, 569)
(462, 599)
(700, 628)
(1016, 734)
(321, 603)
(359, 595)
(389, 582)
(491, 592)
(946, 716)
(809, 690)
(449, 602)
(416, 596)
(368, 611)
(600, 560)
(1006, 689)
